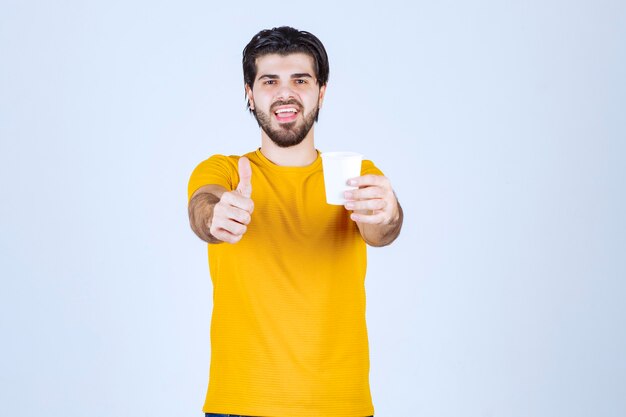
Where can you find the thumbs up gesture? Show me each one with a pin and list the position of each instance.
(245, 174)
(232, 214)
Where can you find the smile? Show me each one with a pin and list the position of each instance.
(286, 114)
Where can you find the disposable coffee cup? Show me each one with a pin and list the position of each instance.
(338, 168)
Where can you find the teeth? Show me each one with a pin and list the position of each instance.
(286, 111)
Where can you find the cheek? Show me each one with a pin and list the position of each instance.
(267, 97)
(312, 101)
(261, 102)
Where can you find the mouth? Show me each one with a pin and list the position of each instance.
(286, 114)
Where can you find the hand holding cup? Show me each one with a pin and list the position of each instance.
(373, 202)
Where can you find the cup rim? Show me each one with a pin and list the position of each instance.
(342, 154)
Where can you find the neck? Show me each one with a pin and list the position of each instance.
(299, 155)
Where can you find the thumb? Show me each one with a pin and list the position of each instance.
(245, 174)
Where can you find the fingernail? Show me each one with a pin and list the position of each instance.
(351, 182)
(349, 206)
(347, 194)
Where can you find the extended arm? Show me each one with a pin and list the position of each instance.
(201, 207)
(217, 215)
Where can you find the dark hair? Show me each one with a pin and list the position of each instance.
(284, 40)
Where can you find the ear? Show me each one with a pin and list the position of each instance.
(250, 96)
(321, 97)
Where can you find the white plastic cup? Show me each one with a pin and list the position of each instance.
(338, 168)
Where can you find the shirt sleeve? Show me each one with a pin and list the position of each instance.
(368, 168)
(218, 169)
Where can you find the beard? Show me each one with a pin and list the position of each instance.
(286, 134)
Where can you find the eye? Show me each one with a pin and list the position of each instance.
(269, 82)
(301, 81)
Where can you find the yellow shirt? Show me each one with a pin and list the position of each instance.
(288, 333)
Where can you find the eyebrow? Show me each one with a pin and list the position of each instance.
(296, 75)
(301, 75)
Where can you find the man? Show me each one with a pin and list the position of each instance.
(288, 333)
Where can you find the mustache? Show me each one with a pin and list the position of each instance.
(291, 102)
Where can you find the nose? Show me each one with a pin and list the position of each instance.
(285, 93)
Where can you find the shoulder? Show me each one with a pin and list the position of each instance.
(217, 169)
(217, 160)
(369, 168)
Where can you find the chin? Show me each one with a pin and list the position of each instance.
(286, 143)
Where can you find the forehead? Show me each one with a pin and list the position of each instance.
(284, 64)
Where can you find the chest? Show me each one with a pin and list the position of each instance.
(294, 208)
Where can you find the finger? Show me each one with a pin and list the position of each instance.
(367, 180)
(231, 227)
(225, 236)
(238, 215)
(245, 177)
(376, 218)
(375, 204)
(365, 193)
(238, 200)
(223, 212)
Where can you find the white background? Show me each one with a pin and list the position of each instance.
(500, 124)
